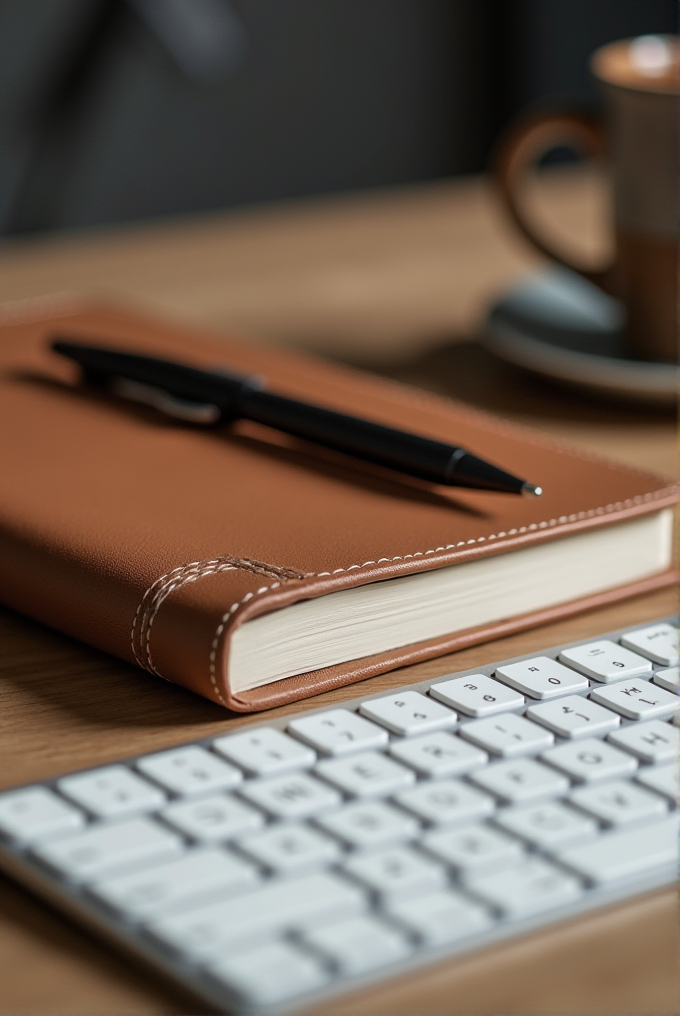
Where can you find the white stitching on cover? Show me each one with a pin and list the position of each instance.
(562, 520)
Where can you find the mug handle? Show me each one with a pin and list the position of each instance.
(521, 149)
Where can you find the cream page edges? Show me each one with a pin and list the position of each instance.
(382, 616)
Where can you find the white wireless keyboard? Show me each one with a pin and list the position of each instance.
(302, 857)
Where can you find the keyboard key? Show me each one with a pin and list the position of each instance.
(526, 889)
(370, 824)
(541, 678)
(360, 944)
(477, 695)
(290, 847)
(668, 679)
(627, 853)
(663, 779)
(447, 802)
(440, 918)
(619, 803)
(409, 713)
(171, 884)
(112, 792)
(437, 755)
(213, 819)
(509, 736)
(34, 813)
(574, 716)
(473, 849)
(281, 905)
(590, 760)
(637, 700)
(270, 974)
(654, 741)
(659, 642)
(294, 796)
(189, 770)
(368, 775)
(338, 732)
(101, 849)
(265, 751)
(547, 825)
(520, 780)
(605, 661)
(396, 872)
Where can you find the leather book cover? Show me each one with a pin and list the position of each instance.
(153, 540)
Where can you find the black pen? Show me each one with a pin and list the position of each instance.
(210, 398)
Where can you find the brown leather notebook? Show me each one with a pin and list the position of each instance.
(255, 568)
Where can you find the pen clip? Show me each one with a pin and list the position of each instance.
(179, 409)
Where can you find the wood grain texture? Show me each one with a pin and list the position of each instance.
(398, 281)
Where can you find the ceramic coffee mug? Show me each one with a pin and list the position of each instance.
(639, 139)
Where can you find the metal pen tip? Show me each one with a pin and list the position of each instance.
(529, 490)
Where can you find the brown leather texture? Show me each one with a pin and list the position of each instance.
(153, 540)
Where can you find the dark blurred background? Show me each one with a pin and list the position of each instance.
(117, 110)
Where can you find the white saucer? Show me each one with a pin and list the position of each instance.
(558, 325)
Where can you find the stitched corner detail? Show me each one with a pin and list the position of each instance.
(158, 591)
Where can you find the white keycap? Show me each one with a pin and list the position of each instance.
(663, 779)
(109, 848)
(360, 944)
(637, 700)
(370, 824)
(213, 819)
(477, 695)
(171, 884)
(409, 713)
(668, 679)
(265, 751)
(280, 905)
(605, 661)
(473, 849)
(271, 974)
(508, 736)
(338, 732)
(35, 813)
(440, 918)
(541, 678)
(659, 642)
(112, 792)
(627, 853)
(520, 780)
(397, 872)
(189, 770)
(590, 760)
(446, 802)
(290, 847)
(295, 796)
(574, 716)
(438, 755)
(526, 889)
(367, 775)
(547, 825)
(654, 741)
(619, 803)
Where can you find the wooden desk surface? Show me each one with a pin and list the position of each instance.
(399, 282)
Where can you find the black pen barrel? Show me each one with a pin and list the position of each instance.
(234, 397)
(421, 457)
